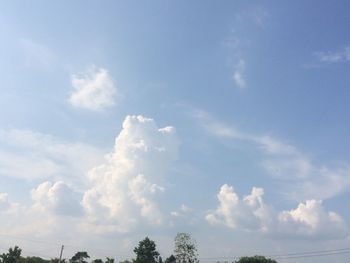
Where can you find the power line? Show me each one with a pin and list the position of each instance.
(53, 244)
(309, 252)
(317, 253)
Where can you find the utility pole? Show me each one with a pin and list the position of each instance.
(59, 261)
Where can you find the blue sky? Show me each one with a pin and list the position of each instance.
(225, 120)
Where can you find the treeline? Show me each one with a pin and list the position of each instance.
(185, 251)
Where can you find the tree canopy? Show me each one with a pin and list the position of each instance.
(185, 249)
(256, 259)
(80, 257)
(146, 252)
(12, 256)
(170, 259)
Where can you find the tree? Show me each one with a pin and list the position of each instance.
(146, 252)
(109, 260)
(98, 260)
(170, 259)
(79, 257)
(13, 256)
(256, 259)
(185, 249)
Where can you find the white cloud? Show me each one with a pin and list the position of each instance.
(302, 178)
(94, 90)
(182, 211)
(334, 56)
(31, 155)
(114, 197)
(139, 191)
(235, 213)
(57, 198)
(309, 220)
(125, 187)
(238, 74)
(4, 203)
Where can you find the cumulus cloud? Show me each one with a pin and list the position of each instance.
(233, 212)
(31, 155)
(309, 220)
(46, 215)
(302, 179)
(238, 74)
(125, 187)
(116, 196)
(312, 219)
(94, 90)
(58, 198)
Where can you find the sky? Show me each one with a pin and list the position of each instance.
(227, 120)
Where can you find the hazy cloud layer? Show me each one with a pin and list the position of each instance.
(32, 155)
(36, 54)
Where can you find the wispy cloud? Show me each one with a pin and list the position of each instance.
(31, 155)
(36, 54)
(334, 56)
(302, 179)
(238, 74)
(93, 90)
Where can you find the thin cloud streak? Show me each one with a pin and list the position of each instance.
(301, 178)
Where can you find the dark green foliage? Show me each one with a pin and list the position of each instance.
(255, 259)
(13, 256)
(170, 259)
(97, 261)
(146, 252)
(185, 249)
(109, 260)
(80, 257)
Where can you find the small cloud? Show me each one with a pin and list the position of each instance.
(238, 74)
(94, 90)
(334, 56)
(182, 211)
(261, 17)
